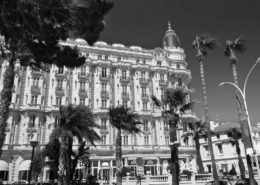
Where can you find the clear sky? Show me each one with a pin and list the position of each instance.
(144, 22)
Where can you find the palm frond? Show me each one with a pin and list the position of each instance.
(156, 101)
(240, 45)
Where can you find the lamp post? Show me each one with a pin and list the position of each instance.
(33, 144)
(243, 94)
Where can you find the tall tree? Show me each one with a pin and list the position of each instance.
(75, 122)
(174, 103)
(32, 31)
(235, 135)
(123, 119)
(198, 130)
(203, 44)
(233, 47)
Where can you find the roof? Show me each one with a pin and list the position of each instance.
(171, 39)
(226, 126)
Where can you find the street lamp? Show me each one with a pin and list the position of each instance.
(243, 94)
(33, 144)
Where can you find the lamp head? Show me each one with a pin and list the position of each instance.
(221, 84)
(258, 61)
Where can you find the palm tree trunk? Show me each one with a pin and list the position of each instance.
(240, 115)
(240, 161)
(5, 100)
(215, 174)
(119, 158)
(174, 153)
(199, 160)
(62, 160)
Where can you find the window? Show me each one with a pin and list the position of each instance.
(179, 81)
(83, 71)
(99, 57)
(137, 61)
(125, 104)
(144, 106)
(60, 71)
(32, 121)
(56, 122)
(218, 136)
(162, 78)
(104, 139)
(34, 100)
(104, 87)
(178, 66)
(58, 100)
(124, 88)
(145, 125)
(125, 140)
(209, 168)
(220, 150)
(82, 102)
(104, 104)
(206, 151)
(59, 85)
(104, 73)
(82, 87)
(36, 82)
(103, 124)
(144, 61)
(159, 63)
(205, 139)
(166, 126)
(144, 91)
(146, 140)
(162, 92)
(124, 74)
(142, 76)
(184, 125)
(167, 140)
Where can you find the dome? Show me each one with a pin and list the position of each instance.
(171, 39)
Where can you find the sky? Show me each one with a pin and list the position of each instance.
(144, 23)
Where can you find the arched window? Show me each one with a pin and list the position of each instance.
(24, 170)
(4, 170)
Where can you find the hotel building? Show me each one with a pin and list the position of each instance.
(112, 75)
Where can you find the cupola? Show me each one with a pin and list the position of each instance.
(170, 39)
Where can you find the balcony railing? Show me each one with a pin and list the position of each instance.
(31, 129)
(124, 79)
(35, 90)
(104, 94)
(83, 75)
(104, 130)
(59, 91)
(104, 78)
(147, 130)
(37, 73)
(163, 82)
(145, 97)
(144, 81)
(62, 74)
(83, 93)
(125, 95)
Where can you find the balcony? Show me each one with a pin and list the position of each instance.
(37, 73)
(104, 130)
(104, 78)
(147, 131)
(166, 131)
(59, 91)
(144, 81)
(163, 83)
(104, 94)
(83, 75)
(125, 96)
(31, 129)
(83, 93)
(60, 75)
(145, 97)
(36, 90)
(124, 79)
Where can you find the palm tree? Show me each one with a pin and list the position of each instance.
(235, 135)
(174, 103)
(198, 130)
(78, 122)
(203, 44)
(32, 31)
(232, 47)
(123, 119)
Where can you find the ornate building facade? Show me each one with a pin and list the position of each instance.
(112, 75)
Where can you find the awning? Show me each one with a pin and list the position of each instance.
(25, 165)
(3, 166)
